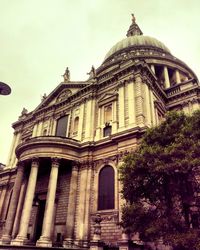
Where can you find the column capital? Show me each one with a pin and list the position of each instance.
(55, 161)
(86, 164)
(15, 132)
(35, 162)
(20, 166)
(138, 78)
(75, 165)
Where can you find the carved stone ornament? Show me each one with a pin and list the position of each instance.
(114, 217)
(97, 227)
(64, 95)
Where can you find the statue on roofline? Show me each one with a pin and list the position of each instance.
(66, 75)
(92, 73)
(44, 97)
(24, 111)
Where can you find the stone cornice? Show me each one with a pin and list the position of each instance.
(84, 94)
(52, 144)
(145, 53)
(183, 93)
(142, 69)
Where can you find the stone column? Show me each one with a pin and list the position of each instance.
(153, 68)
(19, 209)
(177, 74)
(139, 101)
(70, 222)
(45, 238)
(6, 238)
(26, 213)
(166, 76)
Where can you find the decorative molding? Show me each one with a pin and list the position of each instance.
(106, 216)
(35, 162)
(55, 162)
(86, 164)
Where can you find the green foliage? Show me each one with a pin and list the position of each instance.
(160, 182)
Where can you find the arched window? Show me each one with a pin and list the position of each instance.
(61, 128)
(76, 121)
(106, 188)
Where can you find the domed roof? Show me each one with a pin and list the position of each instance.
(137, 41)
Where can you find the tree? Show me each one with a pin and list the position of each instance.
(161, 181)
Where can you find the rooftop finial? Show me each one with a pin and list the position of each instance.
(134, 29)
(133, 18)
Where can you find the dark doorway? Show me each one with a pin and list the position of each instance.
(40, 217)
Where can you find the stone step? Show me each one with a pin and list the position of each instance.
(9, 247)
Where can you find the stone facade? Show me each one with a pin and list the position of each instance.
(50, 187)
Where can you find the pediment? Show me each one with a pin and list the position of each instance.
(107, 98)
(61, 93)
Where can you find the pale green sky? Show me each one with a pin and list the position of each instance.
(39, 38)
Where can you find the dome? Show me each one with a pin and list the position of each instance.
(137, 41)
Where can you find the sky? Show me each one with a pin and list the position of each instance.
(40, 38)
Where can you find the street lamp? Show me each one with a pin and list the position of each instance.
(4, 89)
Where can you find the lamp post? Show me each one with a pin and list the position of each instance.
(4, 89)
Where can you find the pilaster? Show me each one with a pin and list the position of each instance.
(89, 120)
(131, 104)
(98, 129)
(80, 125)
(6, 238)
(121, 107)
(11, 152)
(87, 204)
(148, 105)
(82, 197)
(114, 121)
(13, 156)
(153, 109)
(139, 101)
(70, 221)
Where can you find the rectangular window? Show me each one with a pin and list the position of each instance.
(61, 128)
(107, 130)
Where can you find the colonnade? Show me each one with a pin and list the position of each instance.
(45, 238)
(167, 82)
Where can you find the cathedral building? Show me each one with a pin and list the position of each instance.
(63, 167)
